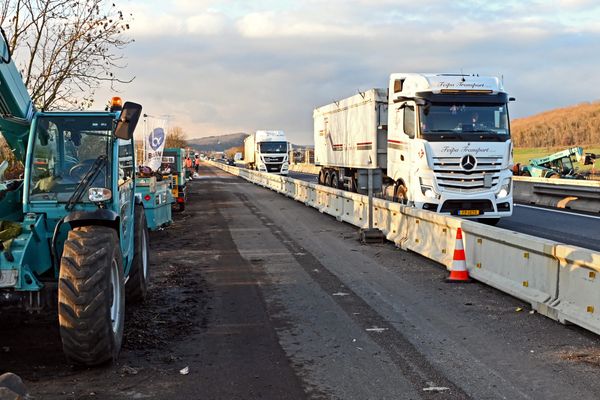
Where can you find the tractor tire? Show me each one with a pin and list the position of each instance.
(91, 295)
(139, 275)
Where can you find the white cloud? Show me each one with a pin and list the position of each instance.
(272, 24)
(226, 66)
(206, 24)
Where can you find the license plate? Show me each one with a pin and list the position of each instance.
(468, 212)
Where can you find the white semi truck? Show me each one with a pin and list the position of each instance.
(267, 151)
(439, 142)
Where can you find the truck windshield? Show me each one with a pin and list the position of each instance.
(273, 147)
(64, 150)
(468, 121)
(169, 164)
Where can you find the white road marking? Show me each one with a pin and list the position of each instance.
(376, 329)
(557, 211)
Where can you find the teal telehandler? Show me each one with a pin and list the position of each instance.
(557, 165)
(73, 235)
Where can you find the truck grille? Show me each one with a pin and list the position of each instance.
(452, 177)
(273, 159)
(273, 167)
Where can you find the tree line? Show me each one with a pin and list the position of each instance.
(577, 125)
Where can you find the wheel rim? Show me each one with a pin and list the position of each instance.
(115, 309)
(145, 254)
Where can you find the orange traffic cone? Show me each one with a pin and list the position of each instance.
(458, 272)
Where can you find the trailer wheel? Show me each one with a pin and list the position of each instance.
(400, 193)
(335, 182)
(321, 177)
(327, 178)
(137, 284)
(91, 301)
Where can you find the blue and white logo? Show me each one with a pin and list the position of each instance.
(157, 138)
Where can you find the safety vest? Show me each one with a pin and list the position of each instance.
(188, 162)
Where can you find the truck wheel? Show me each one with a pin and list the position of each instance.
(137, 284)
(335, 183)
(327, 179)
(400, 194)
(321, 177)
(91, 295)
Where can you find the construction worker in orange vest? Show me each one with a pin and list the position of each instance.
(188, 168)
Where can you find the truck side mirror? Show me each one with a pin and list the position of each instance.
(128, 120)
(512, 99)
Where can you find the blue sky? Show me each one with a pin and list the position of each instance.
(227, 66)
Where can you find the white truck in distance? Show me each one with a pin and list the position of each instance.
(439, 142)
(267, 151)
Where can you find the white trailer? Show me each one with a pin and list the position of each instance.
(267, 151)
(440, 142)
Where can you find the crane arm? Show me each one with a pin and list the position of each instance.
(16, 106)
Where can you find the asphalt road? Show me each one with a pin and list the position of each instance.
(374, 322)
(261, 297)
(578, 229)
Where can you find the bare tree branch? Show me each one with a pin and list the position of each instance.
(176, 138)
(66, 49)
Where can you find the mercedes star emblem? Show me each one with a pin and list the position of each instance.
(468, 162)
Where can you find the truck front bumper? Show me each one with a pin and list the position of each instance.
(474, 206)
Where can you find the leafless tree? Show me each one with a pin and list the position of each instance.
(66, 49)
(176, 138)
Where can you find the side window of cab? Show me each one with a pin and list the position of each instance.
(126, 171)
(409, 121)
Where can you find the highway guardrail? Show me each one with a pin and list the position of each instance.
(559, 281)
(578, 195)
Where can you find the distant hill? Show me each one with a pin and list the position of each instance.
(218, 143)
(570, 126)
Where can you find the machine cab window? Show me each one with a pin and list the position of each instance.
(65, 149)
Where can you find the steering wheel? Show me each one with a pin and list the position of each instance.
(78, 171)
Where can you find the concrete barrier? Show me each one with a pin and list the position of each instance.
(305, 168)
(579, 287)
(559, 281)
(579, 195)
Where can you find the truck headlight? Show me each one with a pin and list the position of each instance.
(504, 188)
(98, 195)
(427, 188)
